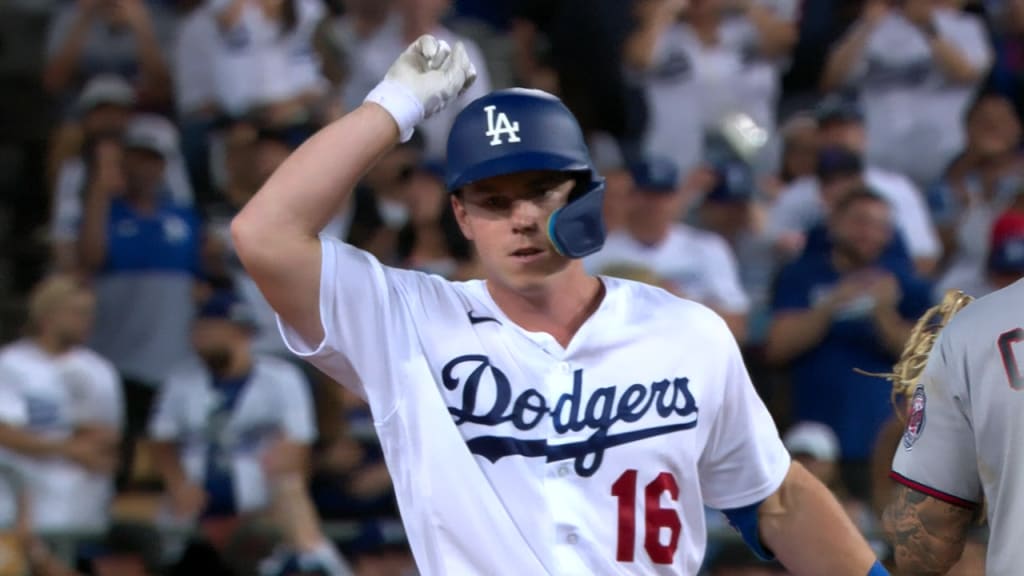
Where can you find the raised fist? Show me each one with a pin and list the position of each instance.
(434, 72)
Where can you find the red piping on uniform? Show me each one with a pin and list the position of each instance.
(938, 495)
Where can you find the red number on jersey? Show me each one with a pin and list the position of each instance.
(1006, 342)
(656, 518)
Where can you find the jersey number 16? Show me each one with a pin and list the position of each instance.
(655, 517)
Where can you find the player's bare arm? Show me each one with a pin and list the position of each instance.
(276, 234)
(809, 532)
(927, 534)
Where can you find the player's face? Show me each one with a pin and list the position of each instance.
(506, 218)
(863, 230)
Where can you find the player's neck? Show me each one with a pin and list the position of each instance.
(559, 307)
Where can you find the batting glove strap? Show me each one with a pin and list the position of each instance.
(401, 104)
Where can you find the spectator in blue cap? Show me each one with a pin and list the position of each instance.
(693, 263)
(732, 209)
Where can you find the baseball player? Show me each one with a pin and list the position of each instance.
(540, 421)
(960, 446)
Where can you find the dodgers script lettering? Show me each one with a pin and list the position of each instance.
(671, 400)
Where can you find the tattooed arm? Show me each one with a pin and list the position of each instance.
(927, 534)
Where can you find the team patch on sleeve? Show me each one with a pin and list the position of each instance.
(915, 419)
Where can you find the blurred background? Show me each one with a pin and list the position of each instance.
(818, 172)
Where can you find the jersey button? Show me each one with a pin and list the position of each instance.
(572, 539)
(563, 470)
(564, 367)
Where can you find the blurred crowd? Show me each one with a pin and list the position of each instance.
(818, 172)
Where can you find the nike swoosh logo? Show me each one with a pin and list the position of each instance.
(481, 319)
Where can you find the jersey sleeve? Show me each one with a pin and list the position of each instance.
(298, 423)
(367, 333)
(936, 455)
(744, 460)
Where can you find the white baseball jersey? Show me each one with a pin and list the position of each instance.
(698, 262)
(275, 402)
(512, 455)
(49, 396)
(964, 431)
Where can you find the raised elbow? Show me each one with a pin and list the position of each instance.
(246, 238)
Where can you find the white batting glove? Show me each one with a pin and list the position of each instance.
(428, 76)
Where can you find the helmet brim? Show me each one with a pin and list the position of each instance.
(513, 164)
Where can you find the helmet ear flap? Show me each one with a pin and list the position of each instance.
(577, 229)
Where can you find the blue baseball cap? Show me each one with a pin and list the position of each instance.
(835, 161)
(655, 174)
(734, 182)
(225, 304)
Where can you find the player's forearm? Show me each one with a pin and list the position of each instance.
(927, 535)
(809, 532)
(309, 188)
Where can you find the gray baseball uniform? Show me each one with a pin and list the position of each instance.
(964, 431)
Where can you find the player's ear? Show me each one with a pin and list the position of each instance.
(460, 214)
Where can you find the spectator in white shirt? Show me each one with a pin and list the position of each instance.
(60, 414)
(696, 264)
(915, 66)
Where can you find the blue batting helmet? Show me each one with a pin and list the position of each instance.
(517, 130)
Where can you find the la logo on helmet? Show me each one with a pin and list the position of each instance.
(496, 127)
